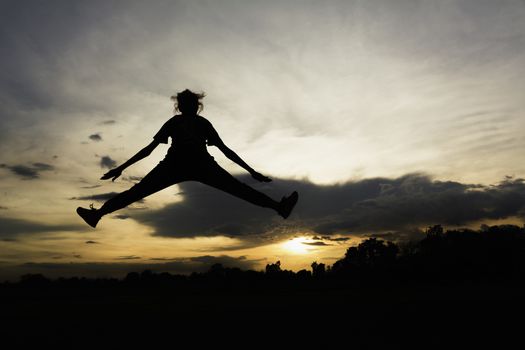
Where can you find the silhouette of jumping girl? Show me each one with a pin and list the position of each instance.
(187, 160)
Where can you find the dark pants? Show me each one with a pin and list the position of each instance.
(166, 174)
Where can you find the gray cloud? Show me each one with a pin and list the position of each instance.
(416, 200)
(28, 172)
(107, 162)
(360, 207)
(100, 197)
(91, 242)
(24, 171)
(95, 137)
(10, 227)
(109, 122)
(207, 212)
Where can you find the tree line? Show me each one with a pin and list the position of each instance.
(490, 254)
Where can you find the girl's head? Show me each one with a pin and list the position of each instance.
(188, 102)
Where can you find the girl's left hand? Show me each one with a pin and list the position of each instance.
(113, 173)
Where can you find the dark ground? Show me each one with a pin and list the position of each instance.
(359, 316)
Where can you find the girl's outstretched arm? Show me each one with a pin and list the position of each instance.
(143, 153)
(235, 158)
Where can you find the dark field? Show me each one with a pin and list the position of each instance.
(369, 315)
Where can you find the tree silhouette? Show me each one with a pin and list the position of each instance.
(273, 269)
(318, 270)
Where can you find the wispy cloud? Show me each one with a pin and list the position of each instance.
(128, 257)
(91, 186)
(330, 238)
(319, 243)
(12, 227)
(100, 197)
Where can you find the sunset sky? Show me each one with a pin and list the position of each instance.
(386, 117)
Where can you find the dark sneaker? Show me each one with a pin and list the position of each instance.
(287, 204)
(90, 216)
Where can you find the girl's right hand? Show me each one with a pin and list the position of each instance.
(113, 173)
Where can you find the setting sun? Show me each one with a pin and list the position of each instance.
(297, 245)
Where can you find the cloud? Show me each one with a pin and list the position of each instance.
(91, 187)
(3, 208)
(332, 239)
(415, 200)
(43, 166)
(28, 172)
(91, 242)
(24, 171)
(319, 243)
(95, 137)
(107, 162)
(108, 122)
(102, 197)
(128, 257)
(185, 265)
(11, 227)
(121, 217)
(358, 207)
(225, 260)
(132, 179)
(415, 234)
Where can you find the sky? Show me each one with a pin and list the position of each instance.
(386, 116)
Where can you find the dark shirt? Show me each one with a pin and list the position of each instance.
(189, 137)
